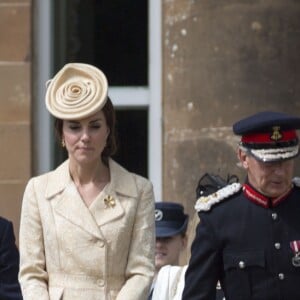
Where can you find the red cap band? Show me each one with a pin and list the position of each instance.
(275, 136)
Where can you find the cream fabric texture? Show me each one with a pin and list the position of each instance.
(169, 283)
(69, 251)
(76, 91)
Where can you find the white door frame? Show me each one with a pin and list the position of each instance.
(42, 155)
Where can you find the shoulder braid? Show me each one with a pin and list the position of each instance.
(204, 203)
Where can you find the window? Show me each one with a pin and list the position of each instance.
(112, 35)
(120, 37)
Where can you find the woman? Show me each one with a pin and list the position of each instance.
(87, 228)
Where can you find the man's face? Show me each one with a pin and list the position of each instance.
(167, 250)
(272, 179)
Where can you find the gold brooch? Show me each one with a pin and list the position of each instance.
(109, 201)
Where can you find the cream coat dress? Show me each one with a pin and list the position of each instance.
(70, 251)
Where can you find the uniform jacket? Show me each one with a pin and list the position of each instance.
(69, 251)
(247, 247)
(9, 263)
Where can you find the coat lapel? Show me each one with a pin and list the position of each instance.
(71, 207)
(122, 181)
(67, 202)
(122, 185)
(105, 212)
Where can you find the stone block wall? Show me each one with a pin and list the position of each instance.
(222, 61)
(15, 105)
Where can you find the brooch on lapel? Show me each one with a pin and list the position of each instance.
(109, 201)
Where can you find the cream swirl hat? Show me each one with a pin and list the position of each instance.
(77, 91)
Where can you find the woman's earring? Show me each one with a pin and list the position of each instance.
(63, 144)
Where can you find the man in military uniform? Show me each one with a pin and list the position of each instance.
(248, 237)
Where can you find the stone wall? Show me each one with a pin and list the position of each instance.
(15, 98)
(222, 60)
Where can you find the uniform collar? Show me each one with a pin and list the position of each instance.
(262, 200)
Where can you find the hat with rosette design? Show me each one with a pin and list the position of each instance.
(77, 91)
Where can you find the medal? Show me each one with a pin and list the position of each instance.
(295, 245)
(296, 260)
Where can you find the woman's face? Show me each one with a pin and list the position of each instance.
(86, 138)
(272, 179)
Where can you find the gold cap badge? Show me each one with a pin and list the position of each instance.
(276, 135)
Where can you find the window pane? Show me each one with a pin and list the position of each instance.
(112, 35)
(132, 131)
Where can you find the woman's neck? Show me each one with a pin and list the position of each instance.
(89, 173)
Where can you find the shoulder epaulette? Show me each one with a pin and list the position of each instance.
(204, 203)
(296, 181)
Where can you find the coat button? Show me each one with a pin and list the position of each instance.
(281, 276)
(101, 244)
(100, 282)
(277, 246)
(68, 251)
(242, 264)
(274, 216)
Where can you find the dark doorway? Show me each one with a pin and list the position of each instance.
(132, 127)
(113, 35)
